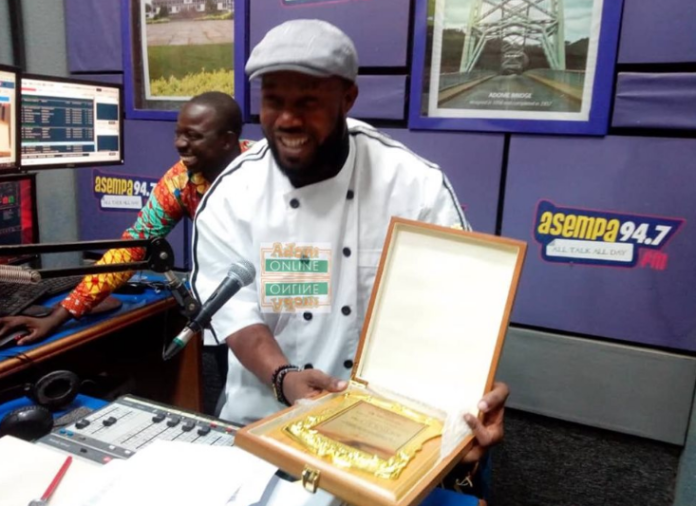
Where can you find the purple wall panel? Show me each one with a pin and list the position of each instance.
(646, 100)
(105, 78)
(93, 30)
(658, 31)
(149, 151)
(252, 132)
(379, 28)
(380, 97)
(631, 175)
(473, 164)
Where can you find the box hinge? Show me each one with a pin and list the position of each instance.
(310, 479)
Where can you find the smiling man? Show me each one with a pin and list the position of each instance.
(207, 137)
(310, 207)
(313, 148)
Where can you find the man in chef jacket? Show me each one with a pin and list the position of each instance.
(310, 208)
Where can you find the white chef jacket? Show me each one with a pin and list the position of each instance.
(337, 227)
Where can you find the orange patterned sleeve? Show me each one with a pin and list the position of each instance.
(164, 209)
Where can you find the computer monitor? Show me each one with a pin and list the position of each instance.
(9, 118)
(70, 123)
(18, 214)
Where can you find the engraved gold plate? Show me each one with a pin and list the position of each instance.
(365, 432)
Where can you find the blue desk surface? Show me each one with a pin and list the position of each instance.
(130, 303)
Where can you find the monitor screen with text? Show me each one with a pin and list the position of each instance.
(70, 123)
(9, 119)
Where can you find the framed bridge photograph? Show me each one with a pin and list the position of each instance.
(539, 66)
(175, 49)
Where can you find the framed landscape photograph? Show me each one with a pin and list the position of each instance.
(175, 49)
(543, 66)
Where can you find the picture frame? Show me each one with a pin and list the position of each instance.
(160, 77)
(510, 75)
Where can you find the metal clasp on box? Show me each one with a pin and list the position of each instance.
(310, 479)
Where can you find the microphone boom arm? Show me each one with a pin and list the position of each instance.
(160, 256)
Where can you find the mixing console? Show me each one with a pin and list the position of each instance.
(130, 423)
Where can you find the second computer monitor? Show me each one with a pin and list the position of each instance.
(9, 118)
(70, 123)
(18, 215)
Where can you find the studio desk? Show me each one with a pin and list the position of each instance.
(119, 351)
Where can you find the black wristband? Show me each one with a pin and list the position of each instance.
(277, 382)
(274, 377)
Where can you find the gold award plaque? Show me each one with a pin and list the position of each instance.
(364, 432)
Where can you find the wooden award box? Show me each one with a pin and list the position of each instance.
(428, 352)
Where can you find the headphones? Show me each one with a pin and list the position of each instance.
(50, 393)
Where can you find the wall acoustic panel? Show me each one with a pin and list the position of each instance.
(106, 78)
(379, 28)
(609, 223)
(585, 381)
(380, 97)
(109, 198)
(6, 48)
(658, 31)
(649, 100)
(472, 163)
(93, 31)
(252, 132)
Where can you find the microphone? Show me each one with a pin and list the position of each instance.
(240, 275)
(17, 274)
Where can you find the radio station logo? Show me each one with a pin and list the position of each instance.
(582, 236)
(119, 192)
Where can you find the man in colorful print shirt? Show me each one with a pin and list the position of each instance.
(207, 138)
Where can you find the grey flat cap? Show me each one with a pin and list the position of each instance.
(309, 46)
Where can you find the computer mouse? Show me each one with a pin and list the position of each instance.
(131, 288)
(12, 338)
(28, 423)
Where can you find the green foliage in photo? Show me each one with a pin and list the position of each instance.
(194, 84)
(180, 61)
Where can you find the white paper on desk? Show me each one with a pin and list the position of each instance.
(280, 492)
(179, 474)
(27, 469)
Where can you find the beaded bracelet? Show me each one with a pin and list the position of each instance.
(274, 377)
(277, 382)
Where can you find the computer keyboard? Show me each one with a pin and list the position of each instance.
(58, 285)
(14, 297)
